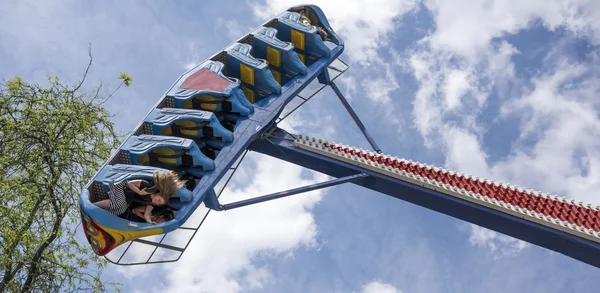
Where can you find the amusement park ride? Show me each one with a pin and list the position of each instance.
(232, 103)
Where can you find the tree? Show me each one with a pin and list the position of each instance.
(52, 140)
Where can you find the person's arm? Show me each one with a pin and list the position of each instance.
(135, 186)
(148, 213)
(139, 211)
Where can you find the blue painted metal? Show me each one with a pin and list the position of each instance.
(232, 94)
(260, 78)
(288, 61)
(323, 23)
(166, 118)
(360, 125)
(211, 201)
(281, 194)
(266, 112)
(324, 78)
(248, 127)
(578, 248)
(184, 152)
(313, 44)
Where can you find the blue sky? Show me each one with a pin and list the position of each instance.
(501, 89)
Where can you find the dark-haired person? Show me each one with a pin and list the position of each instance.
(306, 21)
(159, 215)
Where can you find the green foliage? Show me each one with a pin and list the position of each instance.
(126, 78)
(52, 140)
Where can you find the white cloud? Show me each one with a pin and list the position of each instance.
(466, 27)
(380, 88)
(456, 85)
(220, 259)
(195, 58)
(556, 152)
(319, 125)
(451, 87)
(426, 105)
(458, 65)
(233, 28)
(378, 287)
(349, 83)
(365, 26)
(464, 151)
(560, 115)
(500, 245)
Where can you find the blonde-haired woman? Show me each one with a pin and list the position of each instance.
(148, 194)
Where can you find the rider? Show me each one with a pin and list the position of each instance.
(159, 214)
(141, 192)
(306, 21)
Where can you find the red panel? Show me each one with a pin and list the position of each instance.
(560, 210)
(205, 80)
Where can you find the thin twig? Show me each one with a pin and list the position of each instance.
(76, 88)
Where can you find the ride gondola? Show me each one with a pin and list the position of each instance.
(207, 119)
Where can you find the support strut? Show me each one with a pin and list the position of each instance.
(360, 125)
(281, 194)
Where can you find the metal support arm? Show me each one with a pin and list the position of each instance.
(298, 190)
(281, 146)
(360, 125)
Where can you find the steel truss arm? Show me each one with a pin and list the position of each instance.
(281, 194)
(585, 250)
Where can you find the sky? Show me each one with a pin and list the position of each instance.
(499, 89)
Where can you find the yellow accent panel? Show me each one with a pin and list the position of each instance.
(166, 131)
(209, 107)
(143, 160)
(301, 56)
(166, 151)
(298, 39)
(247, 74)
(187, 104)
(273, 56)
(276, 75)
(249, 94)
(187, 123)
(100, 239)
(122, 236)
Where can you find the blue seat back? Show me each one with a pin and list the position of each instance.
(163, 120)
(207, 83)
(305, 38)
(280, 55)
(253, 73)
(182, 195)
(142, 149)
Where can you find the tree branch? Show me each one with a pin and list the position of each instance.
(32, 270)
(87, 69)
